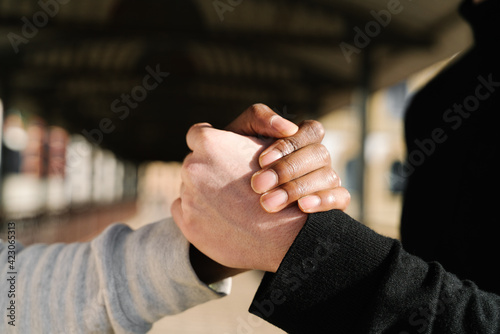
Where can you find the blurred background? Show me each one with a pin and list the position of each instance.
(96, 97)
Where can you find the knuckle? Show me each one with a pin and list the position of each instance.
(315, 130)
(257, 109)
(331, 177)
(286, 169)
(318, 129)
(290, 145)
(203, 132)
(193, 127)
(198, 134)
(190, 170)
(197, 126)
(188, 160)
(330, 198)
(207, 141)
(323, 154)
(301, 188)
(189, 218)
(283, 146)
(296, 189)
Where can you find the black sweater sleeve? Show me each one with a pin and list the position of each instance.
(341, 277)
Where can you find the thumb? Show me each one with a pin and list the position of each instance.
(259, 119)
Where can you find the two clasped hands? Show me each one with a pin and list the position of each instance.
(240, 189)
(238, 209)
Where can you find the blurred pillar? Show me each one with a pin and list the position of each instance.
(363, 94)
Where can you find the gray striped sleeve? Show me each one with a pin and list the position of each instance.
(121, 282)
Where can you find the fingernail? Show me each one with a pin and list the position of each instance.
(274, 200)
(270, 157)
(283, 125)
(264, 181)
(309, 203)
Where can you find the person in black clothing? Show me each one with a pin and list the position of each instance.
(341, 277)
(453, 147)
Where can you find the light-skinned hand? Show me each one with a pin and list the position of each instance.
(218, 211)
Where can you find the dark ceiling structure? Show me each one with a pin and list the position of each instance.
(134, 75)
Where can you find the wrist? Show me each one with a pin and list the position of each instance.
(208, 270)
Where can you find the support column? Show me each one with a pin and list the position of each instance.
(363, 94)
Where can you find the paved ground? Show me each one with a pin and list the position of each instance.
(228, 315)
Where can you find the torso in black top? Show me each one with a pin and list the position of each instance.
(452, 130)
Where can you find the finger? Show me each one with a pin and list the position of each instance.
(188, 169)
(259, 119)
(325, 200)
(279, 198)
(176, 212)
(309, 132)
(188, 158)
(196, 135)
(292, 166)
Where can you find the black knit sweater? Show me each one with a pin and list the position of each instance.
(341, 277)
(453, 146)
